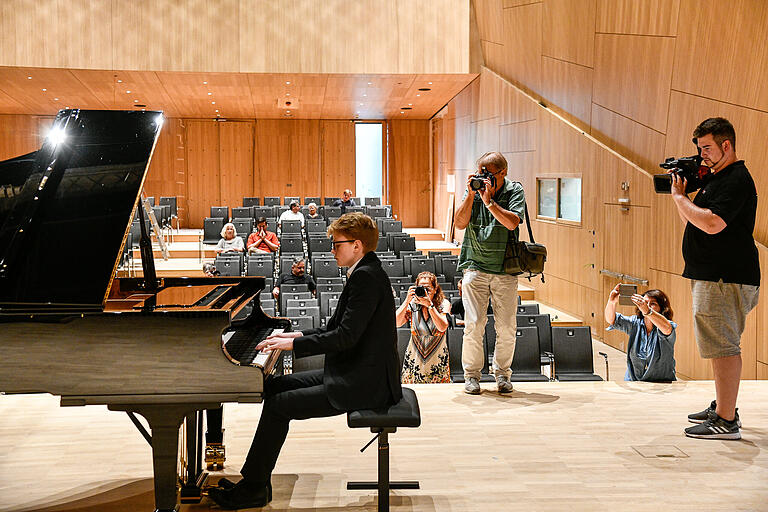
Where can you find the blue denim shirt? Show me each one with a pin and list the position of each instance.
(650, 357)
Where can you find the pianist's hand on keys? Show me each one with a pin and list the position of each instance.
(282, 341)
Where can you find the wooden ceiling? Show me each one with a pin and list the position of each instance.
(44, 91)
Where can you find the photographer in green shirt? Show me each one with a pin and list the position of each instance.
(490, 213)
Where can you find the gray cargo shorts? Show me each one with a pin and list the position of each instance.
(719, 314)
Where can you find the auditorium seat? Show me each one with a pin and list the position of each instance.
(328, 201)
(332, 212)
(242, 212)
(260, 267)
(271, 201)
(285, 296)
(419, 265)
(372, 201)
(393, 267)
(325, 299)
(272, 225)
(243, 227)
(389, 226)
(544, 325)
(316, 226)
(526, 365)
(325, 268)
(293, 288)
(302, 323)
(319, 245)
(300, 303)
(212, 227)
(330, 280)
(315, 200)
(381, 245)
(336, 287)
(290, 227)
(528, 309)
(303, 364)
(572, 347)
(448, 268)
(404, 244)
(173, 204)
(287, 200)
(290, 244)
(308, 311)
(263, 211)
(220, 211)
(332, 303)
(455, 338)
(251, 201)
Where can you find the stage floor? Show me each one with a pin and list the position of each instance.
(610, 446)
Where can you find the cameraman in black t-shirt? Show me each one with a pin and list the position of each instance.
(722, 263)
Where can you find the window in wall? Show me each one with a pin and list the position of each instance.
(368, 159)
(559, 198)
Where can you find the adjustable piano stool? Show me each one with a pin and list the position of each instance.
(383, 422)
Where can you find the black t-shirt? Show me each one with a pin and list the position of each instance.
(731, 254)
(302, 279)
(457, 308)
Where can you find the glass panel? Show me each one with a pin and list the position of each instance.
(368, 144)
(570, 199)
(547, 197)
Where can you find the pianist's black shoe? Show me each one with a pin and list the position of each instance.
(242, 495)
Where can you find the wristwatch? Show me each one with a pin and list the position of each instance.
(491, 202)
(650, 312)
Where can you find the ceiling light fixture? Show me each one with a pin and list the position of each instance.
(205, 83)
(119, 81)
(29, 78)
(287, 83)
(127, 92)
(210, 94)
(45, 90)
(213, 103)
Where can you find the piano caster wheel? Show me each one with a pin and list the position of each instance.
(215, 455)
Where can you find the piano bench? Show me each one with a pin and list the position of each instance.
(383, 422)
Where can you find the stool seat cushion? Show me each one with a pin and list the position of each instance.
(404, 413)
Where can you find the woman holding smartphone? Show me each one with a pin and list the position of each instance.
(651, 331)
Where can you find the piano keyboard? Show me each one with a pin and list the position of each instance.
(241, 345)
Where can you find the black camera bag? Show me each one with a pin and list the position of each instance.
(525, 257)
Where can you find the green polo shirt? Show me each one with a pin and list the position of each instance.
(485, 239)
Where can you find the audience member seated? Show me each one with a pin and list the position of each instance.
(313, 213)
(209, 269)
(262, 241)
(292, 214)
(426, 358)
(345, 200)
(298, 275)
(229, 242)
(651, 345)
(457, 308)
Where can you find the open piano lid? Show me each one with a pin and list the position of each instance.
(66, 208)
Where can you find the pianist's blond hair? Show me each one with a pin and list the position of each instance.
(356, 226)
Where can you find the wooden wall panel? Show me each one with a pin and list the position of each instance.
(287, 158)
(738, 45)
(568, 87)
(19, 135)
(161, 176)
(202, 155)
(761, 313)
(522, 45)
(238, 35)
(338, 157)
(77, 33)
(489, 20)
(409, 180)
(235, 162)
(568, 31)
(646, 17)
(633, 76)
(633, 140)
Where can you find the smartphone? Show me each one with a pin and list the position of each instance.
(625, 294)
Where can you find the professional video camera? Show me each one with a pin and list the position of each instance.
(477, 184)
(688, 167)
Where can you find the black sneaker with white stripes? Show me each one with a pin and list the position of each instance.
(715, 427)
(701, 417)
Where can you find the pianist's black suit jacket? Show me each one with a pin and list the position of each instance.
(362, 368)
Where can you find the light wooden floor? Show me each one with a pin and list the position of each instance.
(548, 446)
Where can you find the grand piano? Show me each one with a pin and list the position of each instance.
(163, 348)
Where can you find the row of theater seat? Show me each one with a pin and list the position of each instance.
(326, 212)
(327, 201)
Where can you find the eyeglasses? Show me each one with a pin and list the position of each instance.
(335, 244)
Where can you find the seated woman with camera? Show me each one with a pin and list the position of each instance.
(229, 242)
(651, 331)
(426, 358)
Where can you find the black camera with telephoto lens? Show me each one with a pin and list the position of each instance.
(476, 183)
(420, 291)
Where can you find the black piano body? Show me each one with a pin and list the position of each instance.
(70, 328)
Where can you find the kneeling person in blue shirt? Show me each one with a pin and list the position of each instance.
(651, 331)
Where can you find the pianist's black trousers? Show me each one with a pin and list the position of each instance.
(298, 396)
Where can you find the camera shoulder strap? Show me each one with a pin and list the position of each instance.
(527, 219)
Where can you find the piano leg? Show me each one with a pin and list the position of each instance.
(164, 421)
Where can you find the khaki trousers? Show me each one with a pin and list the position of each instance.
(477, 288)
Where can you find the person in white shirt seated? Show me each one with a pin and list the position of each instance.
(292, 214)
(229, 242)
